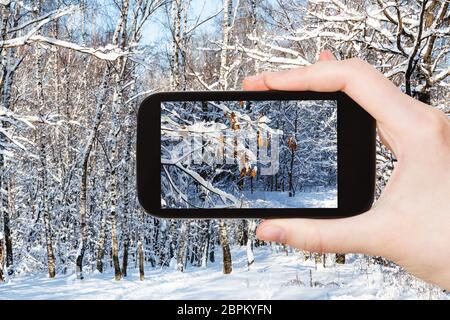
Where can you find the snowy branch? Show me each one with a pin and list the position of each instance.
(109, 52)
(206, 184)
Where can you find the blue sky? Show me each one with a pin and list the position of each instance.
(156, 27)
(199, 9)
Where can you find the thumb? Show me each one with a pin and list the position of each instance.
(354, 234)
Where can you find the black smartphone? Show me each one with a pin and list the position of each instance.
(254, 154)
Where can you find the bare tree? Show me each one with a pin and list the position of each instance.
(223, 83)
(84, 168)
(2, 258)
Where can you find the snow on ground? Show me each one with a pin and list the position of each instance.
(275, 275)
(270, 199)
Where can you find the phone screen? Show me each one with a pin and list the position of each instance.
(249, 154)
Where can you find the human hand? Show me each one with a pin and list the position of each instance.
(410, 222)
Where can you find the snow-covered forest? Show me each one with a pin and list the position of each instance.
(244, 154)
(72, 76)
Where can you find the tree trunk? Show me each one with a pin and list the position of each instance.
(140, 250)
(212, 241)
(126, 246)
(163, 242)
(141, 261)
(254, 21)
(102, 233)
(182, 245)
(115, 243)
(126, 204)
(43, 161)
(46, 216)
(172, 240)
(411, 66)
(119, 38)
(7, 235)
(206, 241)
(340, 258)
(1, 258)
(101, 243)
(243, 237)
(291, 169)
(4, 207)
(83, 188)
(5, 91)
(250, 238)
(113, 212)
(175, 63)
(223, 236)
(223, 74)
(83, 224)
(226, 30)
(293, 147)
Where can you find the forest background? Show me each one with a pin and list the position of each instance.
(72, 75)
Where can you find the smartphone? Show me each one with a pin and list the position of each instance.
(254, 154)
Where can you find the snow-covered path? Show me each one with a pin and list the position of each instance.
(274, 276)
(267, 199)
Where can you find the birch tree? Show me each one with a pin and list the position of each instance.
(223, 85)
(84, 167)
(2, 258)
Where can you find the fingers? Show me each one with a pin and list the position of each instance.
(387, 140)
(355, 234)
(257, 83)
(254, 83)
(326, 55)
(368, 87)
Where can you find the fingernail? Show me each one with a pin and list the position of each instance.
(272, 233)
(256, 77)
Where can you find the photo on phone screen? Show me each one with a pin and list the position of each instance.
(249, 154)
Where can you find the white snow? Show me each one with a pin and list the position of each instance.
(274, 275)
(268, 199)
